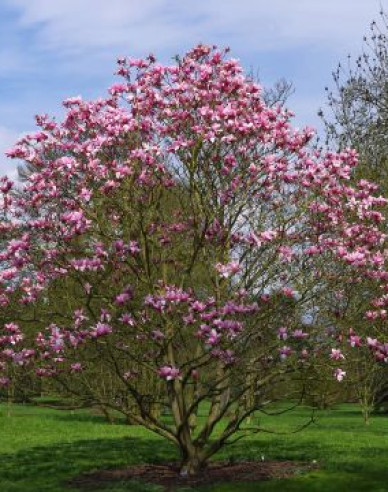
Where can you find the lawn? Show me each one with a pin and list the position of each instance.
(41, 449)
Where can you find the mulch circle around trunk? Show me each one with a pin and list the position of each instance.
(168, 476)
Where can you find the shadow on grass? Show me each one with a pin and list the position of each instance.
(48, 468)
(93, 418)
(346, 464)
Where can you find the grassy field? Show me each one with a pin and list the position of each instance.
(41, 449)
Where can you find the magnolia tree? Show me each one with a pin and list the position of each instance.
(176, 243)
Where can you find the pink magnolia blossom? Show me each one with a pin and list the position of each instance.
(127, 319)
(169, 373)
(339, 374)
(299, 334)
(282, 333)
(228, 269)
(286, 253)
(285, 352)
(124, 297)
(4, 381)
(101, 329)
(355, 341)
(336, 354)
(372, 342)
(288, 292)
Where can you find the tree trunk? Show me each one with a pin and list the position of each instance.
(193, 462)
(250, 397)
(108, 416)
(155, 410)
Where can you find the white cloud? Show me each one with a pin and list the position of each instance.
(142, 25)
(77, 42)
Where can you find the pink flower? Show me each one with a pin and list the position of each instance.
(133, 247)
(198, 306)
(169, 373)
(339, 374)
(229, 269)
(288, 292)
(299, 334)
(175, 295)
(285, 352)
(4, 381)
(370, 315)
(85, 194)
(336, 354)
(117, 89)
(130, 374)
(195, 374)
(72, 101)
(124, 297)
(87, 288)
(213, 338)
(286, 253)
(372, 342)
(355, 341)
(101, 329)
(312, 250)
(269, 235)
(12, 328)
(304, 354)
(282, 333)
(189, 319)
(157, 335)
(127, 319)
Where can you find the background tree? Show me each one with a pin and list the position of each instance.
(358, 106)
(357, 117)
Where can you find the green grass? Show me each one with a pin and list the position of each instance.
(41, 449)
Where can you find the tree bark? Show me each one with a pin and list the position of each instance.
(193, 462)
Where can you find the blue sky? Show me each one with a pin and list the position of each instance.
(53, 49)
